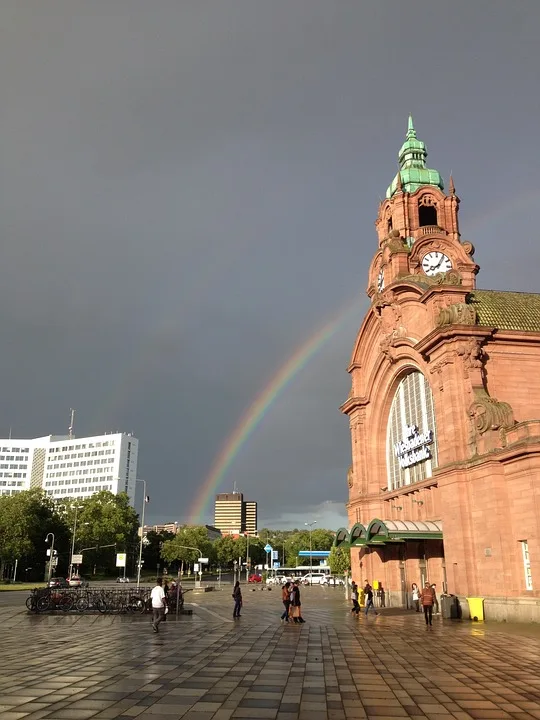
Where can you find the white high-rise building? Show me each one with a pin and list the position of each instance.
(70, 467)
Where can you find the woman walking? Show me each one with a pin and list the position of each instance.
(416, 597)
(296, 605)
(285, 598)
(237, 597)
(427, 604)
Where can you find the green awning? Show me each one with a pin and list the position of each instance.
(381, 532)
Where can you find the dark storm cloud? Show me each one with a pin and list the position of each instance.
(187, 193)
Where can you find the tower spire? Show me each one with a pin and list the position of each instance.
(413, 172)
(411, 132)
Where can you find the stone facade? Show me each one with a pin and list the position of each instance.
(479, 354)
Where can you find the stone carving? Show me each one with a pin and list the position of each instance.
(457, 314)
(468, 247)
(487, 413)
(350, 478)
(472, 354)
(437, 368)
(395, 243)
(450, 278)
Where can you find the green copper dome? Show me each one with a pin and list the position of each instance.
(413, 172)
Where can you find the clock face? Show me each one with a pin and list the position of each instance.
(436, 262)
(380, 280)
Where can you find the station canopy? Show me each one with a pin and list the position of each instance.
(382, 532)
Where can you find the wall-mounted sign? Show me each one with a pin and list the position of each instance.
(413, 448)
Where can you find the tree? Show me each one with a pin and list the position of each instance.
(25, 520)
(179, 549)
(340, 559)
(300, 540)
(152, 548)
(103, 519)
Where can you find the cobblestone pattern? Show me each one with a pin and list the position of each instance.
(335, 666)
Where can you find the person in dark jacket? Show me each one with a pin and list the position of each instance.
(285, 597)
(237, 597)
(296, 604)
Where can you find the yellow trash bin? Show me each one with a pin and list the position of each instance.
(476, 609)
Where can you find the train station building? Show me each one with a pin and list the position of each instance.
(444, 412)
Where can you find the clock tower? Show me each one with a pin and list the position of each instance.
(418, 229)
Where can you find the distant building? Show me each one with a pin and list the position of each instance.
(233, 515)
(70, 467)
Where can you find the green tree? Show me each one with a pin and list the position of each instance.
(103, 519)
(321, 539)
(152, 548)
(25, 520)
(340, 559)
(178, 549)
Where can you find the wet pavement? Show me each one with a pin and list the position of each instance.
(207, 665)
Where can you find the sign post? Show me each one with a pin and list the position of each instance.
(268, 549)
(121, 561)
(76, 559)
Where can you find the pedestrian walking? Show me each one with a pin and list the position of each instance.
(354, 596)
(368, 594)
(286, 600)
(296, 603)
(435, 599)
(158, 604)
(237, 597)
(426, 597)
(416, 597)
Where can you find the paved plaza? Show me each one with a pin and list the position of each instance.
(208, 666)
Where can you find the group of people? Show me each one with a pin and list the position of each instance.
(290, 596)
(427, 598)
(368, 598)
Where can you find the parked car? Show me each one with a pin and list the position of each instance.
(77, 581)
(333, 580)
(122, 579)
(255, 578)
(58, 582)
(313, 579)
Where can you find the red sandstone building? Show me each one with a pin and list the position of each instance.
(444, 412)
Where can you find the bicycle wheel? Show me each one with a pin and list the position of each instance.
(31, 603)
(66, 603)
(81, 604)
(136, 604)
(43, 603)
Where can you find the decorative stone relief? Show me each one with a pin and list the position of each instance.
(457, 314)
(468, 247)
(350, 477)
(472, 354)
(487, 413)
(437, 368)
(395, 243)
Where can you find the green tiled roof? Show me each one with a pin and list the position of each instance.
(507, 310)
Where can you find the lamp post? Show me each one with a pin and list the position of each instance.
(145, 500)
(310, 525)
(51, 555)
(73, 541)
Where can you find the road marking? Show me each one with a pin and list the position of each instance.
(220, 617)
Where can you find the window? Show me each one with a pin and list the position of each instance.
(427, 211)
(526, 564)
(411, 437)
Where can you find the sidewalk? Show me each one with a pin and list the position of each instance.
(208, 666)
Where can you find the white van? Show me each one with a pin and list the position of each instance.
(313, 578)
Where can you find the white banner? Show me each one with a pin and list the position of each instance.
(121, 559)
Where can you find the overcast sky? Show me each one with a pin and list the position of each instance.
(187, 194)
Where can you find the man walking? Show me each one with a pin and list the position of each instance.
(426, 598)
(158, 604)
(368, 594)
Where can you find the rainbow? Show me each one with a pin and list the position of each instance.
(258, 409)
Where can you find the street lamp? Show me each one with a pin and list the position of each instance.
(51, 555)
(77, 507)
(310, 525)
(145, 500)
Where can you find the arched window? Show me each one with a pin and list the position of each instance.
(411, 437)
(427, 211)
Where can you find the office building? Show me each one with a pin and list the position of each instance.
(233, 515)
(70, 467)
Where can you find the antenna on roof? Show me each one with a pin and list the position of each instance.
(10, 432)
(71, 423)
(235, 491)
